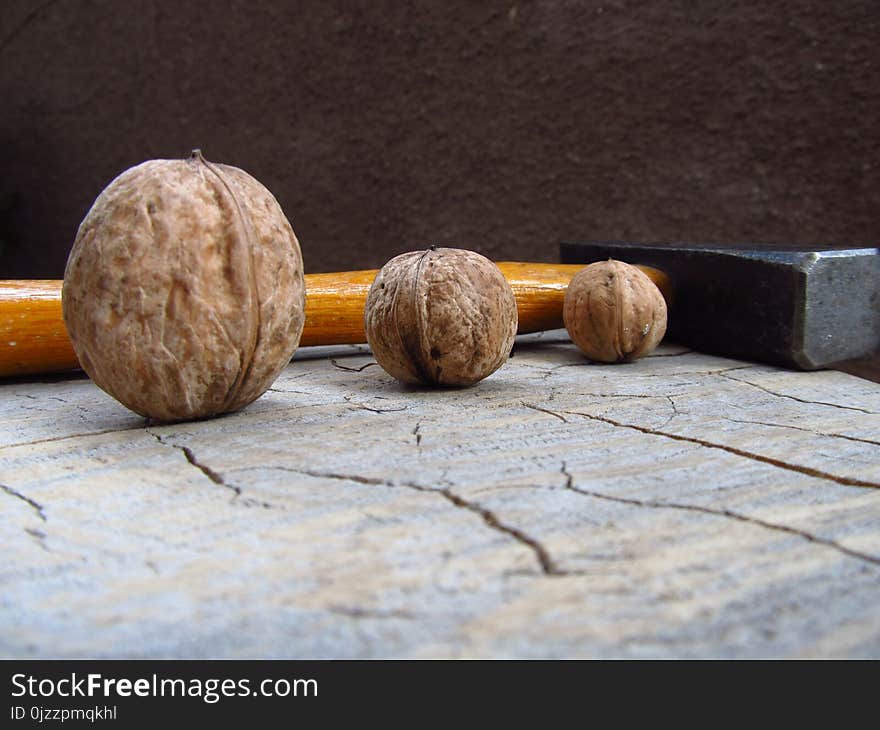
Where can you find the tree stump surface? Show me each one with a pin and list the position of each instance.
(680, 506)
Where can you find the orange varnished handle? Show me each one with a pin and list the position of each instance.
(33, 338)
(32, 334)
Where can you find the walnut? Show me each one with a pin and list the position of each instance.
(184, 293)
(613, 312)
(444, 316)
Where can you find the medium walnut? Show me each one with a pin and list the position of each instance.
(184, 294)
(444, 316)
(613, 312)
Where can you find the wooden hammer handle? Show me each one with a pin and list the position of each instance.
(33, 338)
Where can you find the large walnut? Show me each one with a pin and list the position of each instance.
(184, 294)
(613, 312)
(444, 316)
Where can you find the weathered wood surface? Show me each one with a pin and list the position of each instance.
(683, 505)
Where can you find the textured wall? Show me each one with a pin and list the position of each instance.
(384, 126)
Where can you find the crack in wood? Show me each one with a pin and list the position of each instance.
(188, 454)
(33, 397)
(546, 562)
(39, 536)
(33, 504)
(675, 412)
(205, 469)
(647, 396)
(726, 513)
(239, 496)
(53, 439)
(800, 428)
(548, 565)
(361, 406)
(753, 456)
(352, 370)
(545, 410)
(799, 400)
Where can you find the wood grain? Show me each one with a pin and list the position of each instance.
(680, 506)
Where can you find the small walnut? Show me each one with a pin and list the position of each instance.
(444, 316)
(613, 312)
(184, 294)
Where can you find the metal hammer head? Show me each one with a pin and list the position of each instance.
(798, 308)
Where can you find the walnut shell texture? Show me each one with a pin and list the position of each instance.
(444, 316)
(613, 312)
(184, 293)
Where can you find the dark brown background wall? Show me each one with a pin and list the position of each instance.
(503, 127)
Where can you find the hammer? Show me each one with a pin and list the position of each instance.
(753, 304)
(33, 338)
(795, 307)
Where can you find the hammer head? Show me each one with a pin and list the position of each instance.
(798, 308)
